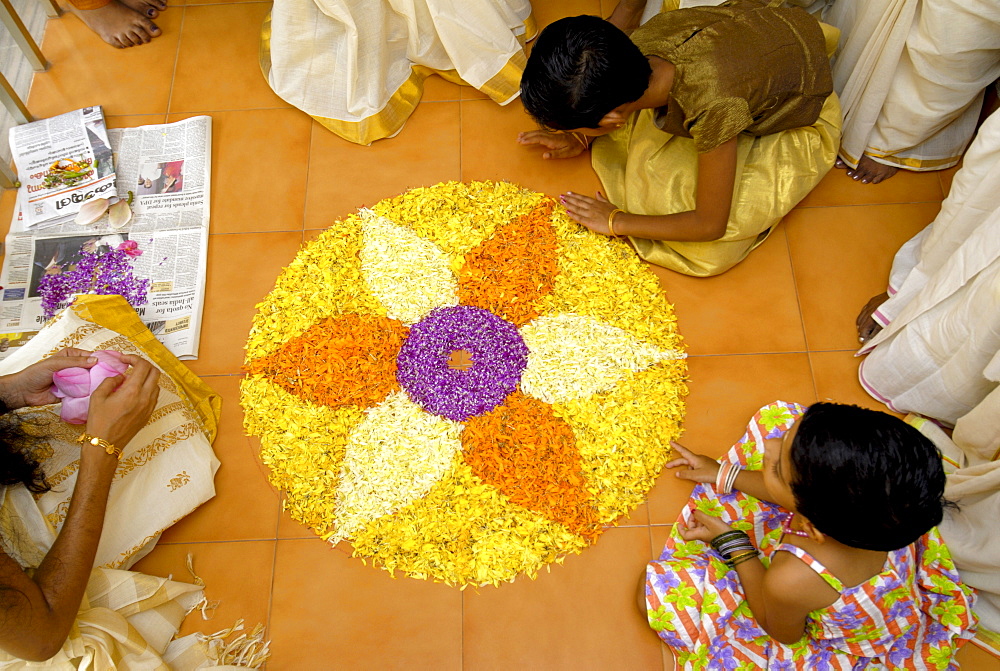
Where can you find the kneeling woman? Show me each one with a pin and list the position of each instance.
(715, 122)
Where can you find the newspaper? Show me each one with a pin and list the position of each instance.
(61, 162)
(167, 168)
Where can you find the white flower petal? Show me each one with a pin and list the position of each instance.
(393, 457)
(409, 275)
(573, 356)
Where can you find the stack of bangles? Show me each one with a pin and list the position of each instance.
(611, 221)
(726, 477)
(734, 547)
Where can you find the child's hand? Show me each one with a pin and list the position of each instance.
(699, 467)
(703, 528)
(557, 145)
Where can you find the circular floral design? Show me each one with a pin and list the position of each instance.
(498, 354)
(557, 429)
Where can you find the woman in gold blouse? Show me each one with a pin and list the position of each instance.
(713, 122)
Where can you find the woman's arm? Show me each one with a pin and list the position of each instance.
(707, 222)
(36, 612)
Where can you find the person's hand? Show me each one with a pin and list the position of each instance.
(121, 406)
(867, 327)
(591, 212)
(702, 527)
(32, 386)
(557, 145)
(699, 467)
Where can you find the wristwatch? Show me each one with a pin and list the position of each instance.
(100, 442)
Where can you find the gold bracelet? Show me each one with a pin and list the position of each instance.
(611, 221)
(101, 443)
(581, 138)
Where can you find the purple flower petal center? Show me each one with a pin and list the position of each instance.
(496, 349)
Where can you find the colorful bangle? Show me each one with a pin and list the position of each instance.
(101, 443)
(611, 221)
(743, 557)
(726, 477)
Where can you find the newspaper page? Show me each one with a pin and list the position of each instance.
(167, 168)
(62, 162)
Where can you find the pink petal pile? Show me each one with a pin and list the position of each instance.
(75, 385)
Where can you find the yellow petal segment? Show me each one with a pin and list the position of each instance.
(573, 356)
(410, 276)
(393, 457)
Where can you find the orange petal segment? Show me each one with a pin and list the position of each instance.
(339, 361)
(523, 449)
(509, 272)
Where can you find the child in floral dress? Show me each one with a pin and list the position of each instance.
(841, 503)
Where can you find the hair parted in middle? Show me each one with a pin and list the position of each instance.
(866, 478)
(581, 68)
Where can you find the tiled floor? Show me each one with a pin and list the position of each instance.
(780, 325)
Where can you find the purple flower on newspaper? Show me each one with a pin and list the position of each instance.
(106, 273)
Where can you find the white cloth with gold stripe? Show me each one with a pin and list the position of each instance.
(127, 620)
(357, 66)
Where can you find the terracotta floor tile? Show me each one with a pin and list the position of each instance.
(237, 575)
(8, 199)
(905, 187)
(437, 89)
(974, 658)
(330, 610)
(580, 615)
(496, 154)
(547, 11)
(242, 269)
(841, 257)
(836, 375)
(345, 176)
(259, 166)
(217, 68)
(86, 71)
(946, 177)
(133, 120)
(245, 505)
(750, 308)
(469, 93)
(725, 393)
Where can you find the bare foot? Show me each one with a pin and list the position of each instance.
(868, 328)
(150, 8)
(118, 25)
(871, 172)
(627, 14)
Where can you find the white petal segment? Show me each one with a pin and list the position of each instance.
(409, 275)
(393, 457)
(573, 356)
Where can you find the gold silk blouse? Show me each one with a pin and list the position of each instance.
(739, 67)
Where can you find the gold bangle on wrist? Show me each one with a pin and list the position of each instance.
(611, 221)
(101, 443)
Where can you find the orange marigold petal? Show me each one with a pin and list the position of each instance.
(339, 361)
(523, 449)
(512, 270)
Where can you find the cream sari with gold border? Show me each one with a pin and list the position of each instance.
(127, 620)
(358, 67)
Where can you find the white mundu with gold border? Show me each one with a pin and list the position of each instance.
(358, 66)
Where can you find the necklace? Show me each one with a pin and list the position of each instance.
(787, 527)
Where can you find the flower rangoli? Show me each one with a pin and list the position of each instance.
(463, 383)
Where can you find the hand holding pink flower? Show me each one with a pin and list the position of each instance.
(75, 385)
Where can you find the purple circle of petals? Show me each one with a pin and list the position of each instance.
(498, 353)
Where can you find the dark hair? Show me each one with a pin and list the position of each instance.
(866, 478)
(17, 465)
(581, 68)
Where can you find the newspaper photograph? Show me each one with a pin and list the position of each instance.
(157, 260)
(62, 162)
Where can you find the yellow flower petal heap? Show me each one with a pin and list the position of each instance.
(477, 473)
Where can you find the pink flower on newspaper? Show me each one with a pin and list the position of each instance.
(75, 385)
(131, 248)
